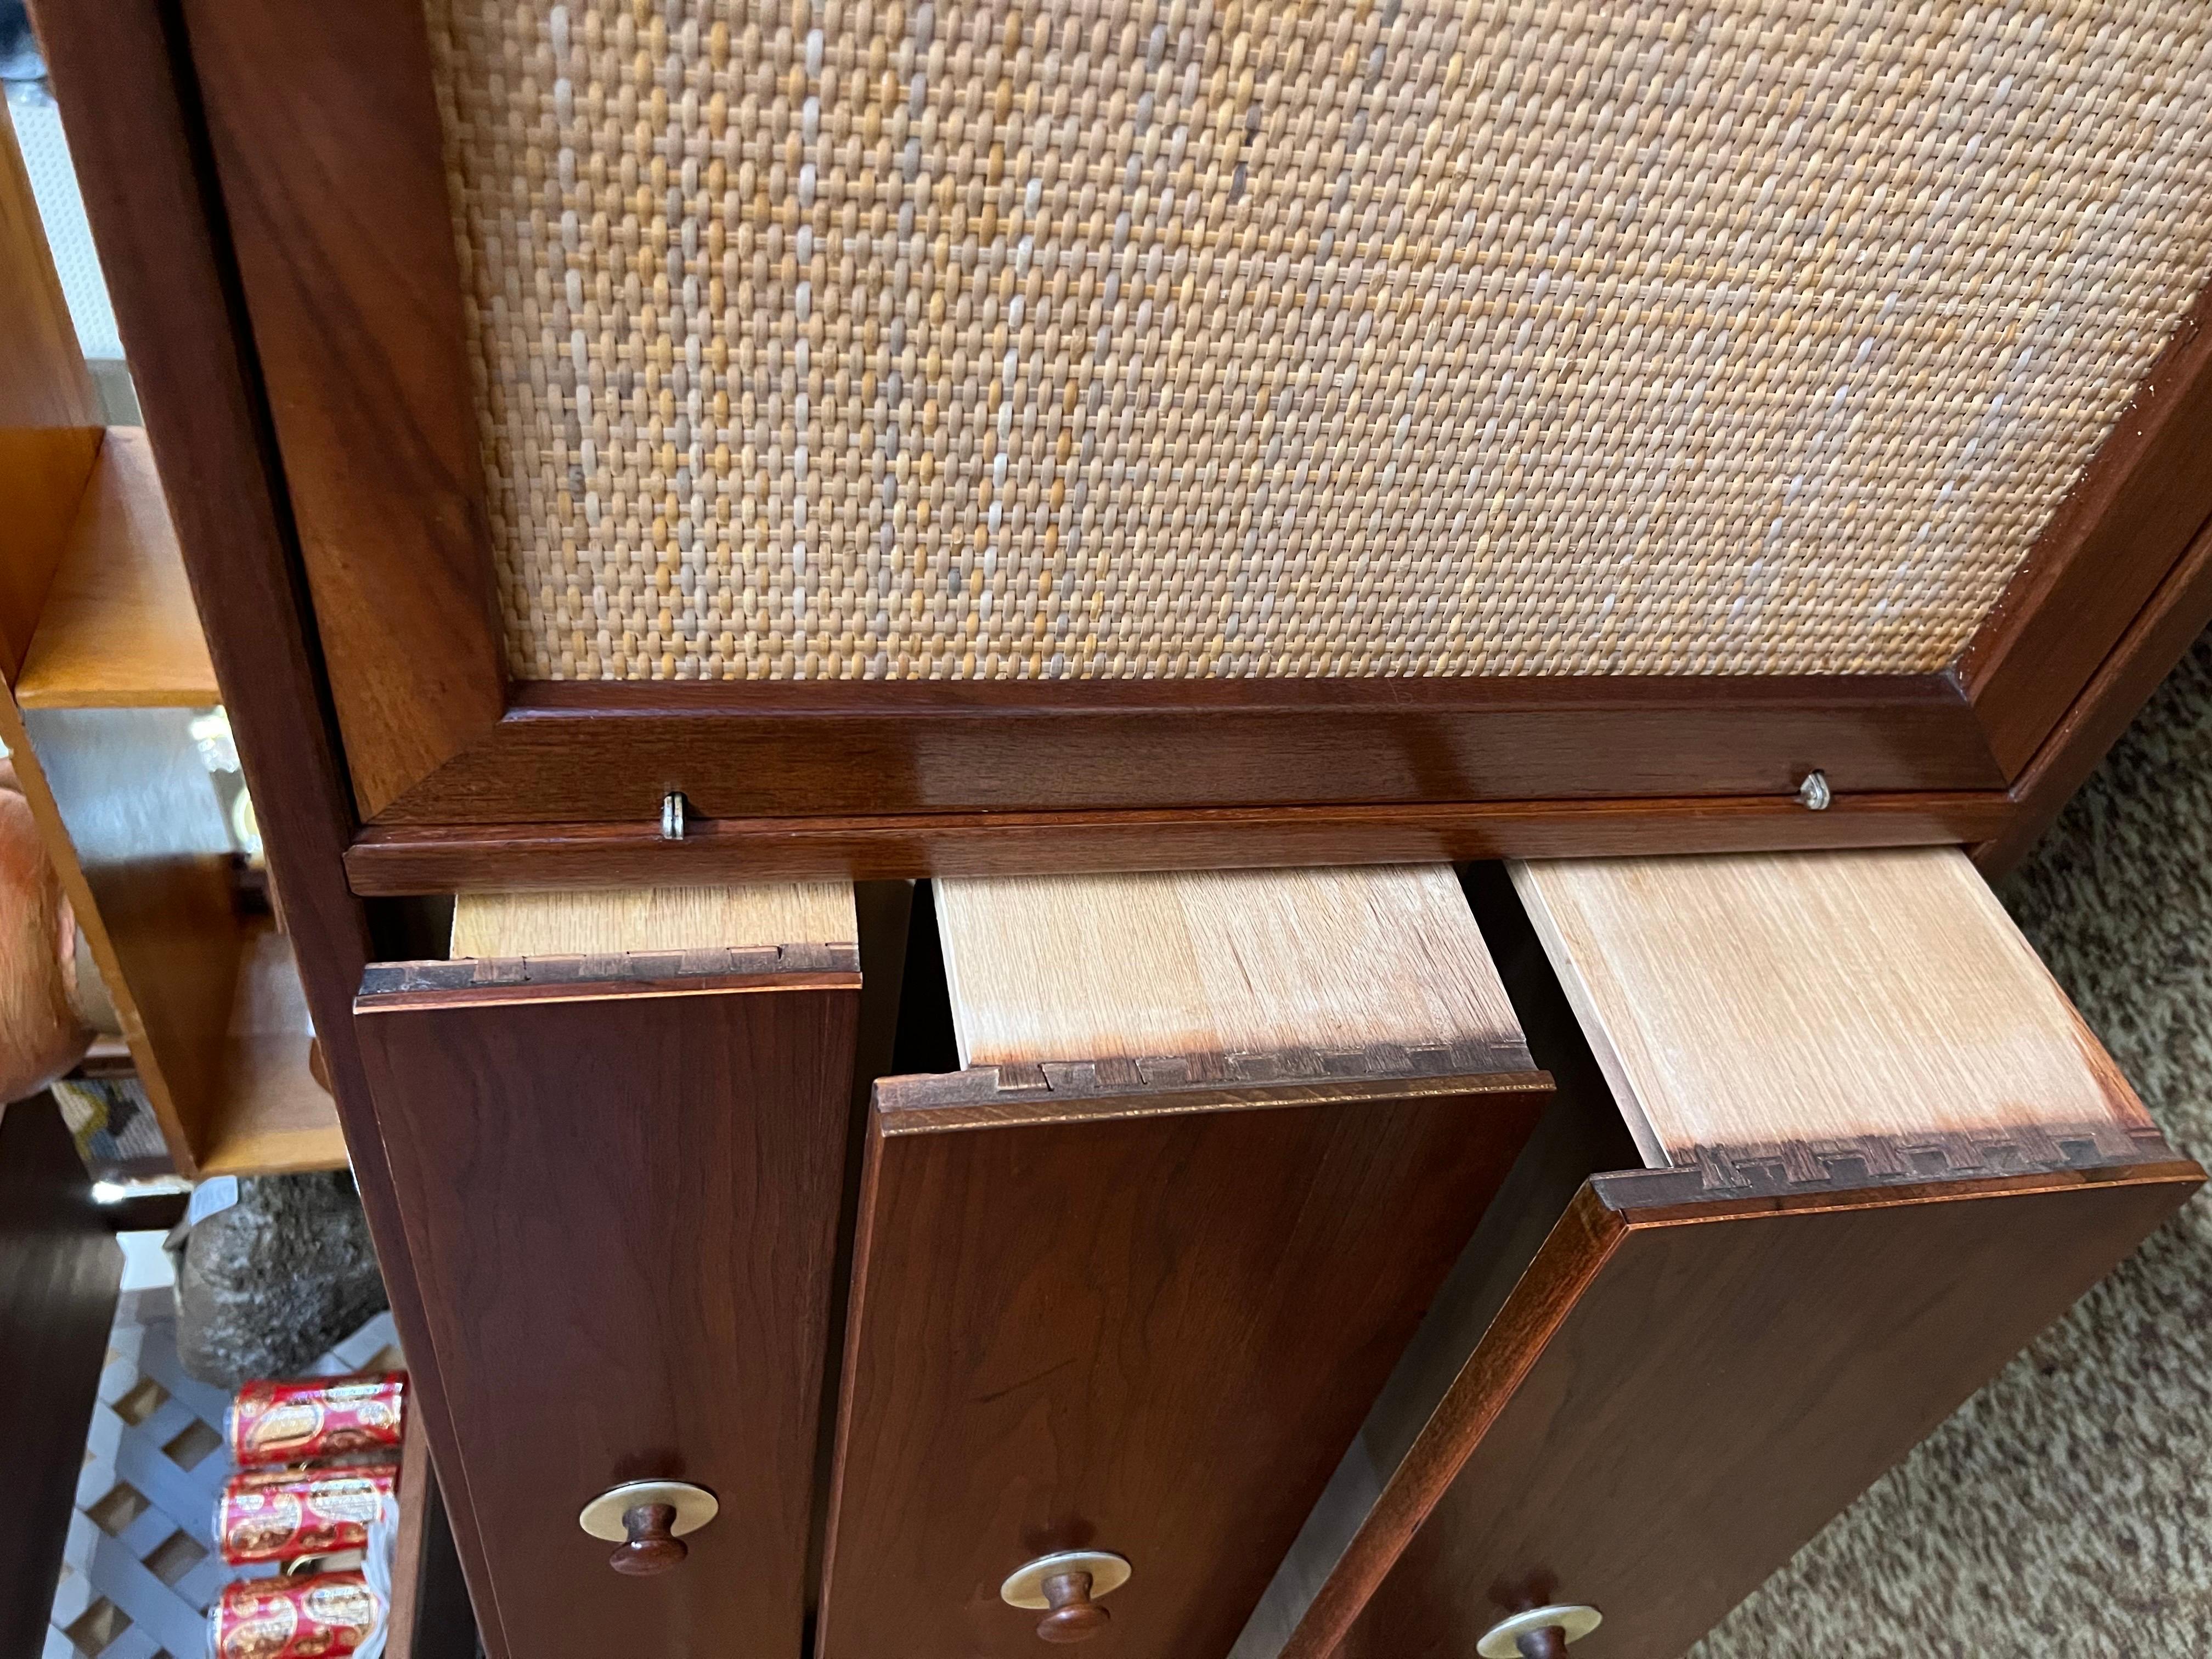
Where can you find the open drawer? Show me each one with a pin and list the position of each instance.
(1883, 1151)
(617, 1124)
(1125, 1282)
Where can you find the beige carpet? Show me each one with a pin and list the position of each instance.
(2066, 1509)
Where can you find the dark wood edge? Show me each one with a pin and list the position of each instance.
(392, 1002)
(2158, 638)
(974, 1099)
(2117, 535)
(325, 135)
(1642, 1204)
(59, 1274)
(569, 701)
(128, 104)
(1573, 1255)
(468, 858)
(1898, 1162)
(407, 1554)
(609, 967)
(607, 754)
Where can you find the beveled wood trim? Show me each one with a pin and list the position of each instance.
(2155, 641)
(2120, 532)
(330, 154)
(124, 94)
(454, 858)
(607, 753)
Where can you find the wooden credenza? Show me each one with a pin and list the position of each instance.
(712, 527)
(1306, 1263)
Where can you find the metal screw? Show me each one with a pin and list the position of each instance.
(1813, 791)
(671, 815)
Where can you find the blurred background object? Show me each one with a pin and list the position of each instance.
(43, 1029)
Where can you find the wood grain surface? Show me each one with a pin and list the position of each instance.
(1758, 998)
(138, 148)
(625, 1207)
(595, 922)
(1078, 1323)
(270, 1116)
(2164, 629)
(1054, 968)
(465, 858)
(326, 142)
(59, 1268)
(118, 627)
(594, 752)
(1675, 1398)
(2116, 537)
(49, 423)
(1580, 1133)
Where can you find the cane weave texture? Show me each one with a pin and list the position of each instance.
(1056, 338)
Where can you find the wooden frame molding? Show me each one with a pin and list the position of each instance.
(321, 130)
(456, 858)
(128, 106)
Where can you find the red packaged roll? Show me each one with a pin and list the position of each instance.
(323, 1616)
(279, 1515)
(316, 1416)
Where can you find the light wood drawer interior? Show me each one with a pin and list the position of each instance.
(1881, 1152)
(1127, 1280)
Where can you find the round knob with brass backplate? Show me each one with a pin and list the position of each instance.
(1067, 1585)
(647, 1519)
(1538, 1633)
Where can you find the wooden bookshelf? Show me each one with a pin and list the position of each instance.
(117, 629)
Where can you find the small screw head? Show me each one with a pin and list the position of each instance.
(1815, 792)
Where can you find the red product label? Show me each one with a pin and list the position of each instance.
(323, 1617)
(279, 1515)
(316, 1416)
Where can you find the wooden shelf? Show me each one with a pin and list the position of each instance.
(117, 629)
(270, 1116)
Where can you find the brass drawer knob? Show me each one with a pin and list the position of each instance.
(647, 1521)
(1067, 1585)
(1539, 1633)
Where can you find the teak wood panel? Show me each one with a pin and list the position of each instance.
(346, 253)
(324, 131)
(1139, 1320)
(118, 627)
(623, 1197)
(1679, 1393)
(49, 423)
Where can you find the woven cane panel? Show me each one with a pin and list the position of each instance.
(1110, 338)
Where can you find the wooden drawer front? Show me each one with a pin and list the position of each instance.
(1129, 1318)
(623, 1193)
(1679, 1395)
(1886, 1152)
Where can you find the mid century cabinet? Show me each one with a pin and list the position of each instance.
(661, 478)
